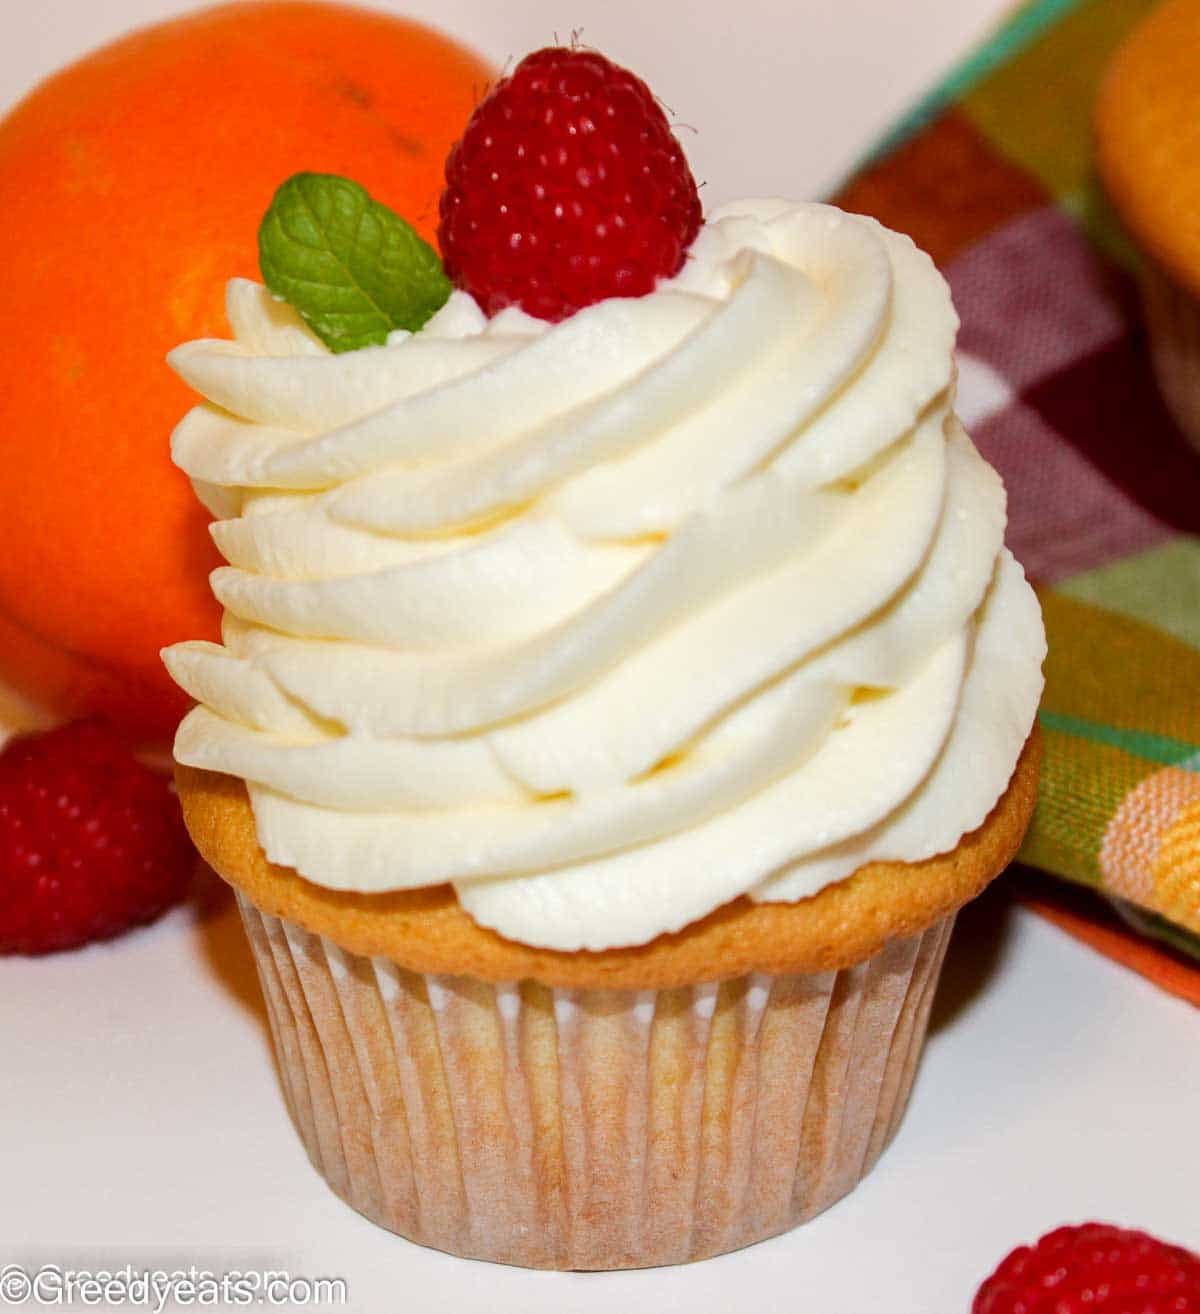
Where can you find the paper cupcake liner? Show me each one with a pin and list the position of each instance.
(591, 1129)
(1173, 318)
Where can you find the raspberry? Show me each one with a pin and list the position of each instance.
(91, 841)
(1093, 1268)
(566, 188)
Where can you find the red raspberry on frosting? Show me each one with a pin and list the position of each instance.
(566, 188)
(1093, 1268)
(91, 841)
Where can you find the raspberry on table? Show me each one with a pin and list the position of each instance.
(1093, 1268)
(567, 187)
(91, 840)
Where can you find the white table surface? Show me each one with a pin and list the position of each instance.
(140, 1118)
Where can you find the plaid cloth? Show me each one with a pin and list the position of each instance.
(992, 174)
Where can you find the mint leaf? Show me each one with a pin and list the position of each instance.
(352, 268)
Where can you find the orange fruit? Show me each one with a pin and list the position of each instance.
(132, 184)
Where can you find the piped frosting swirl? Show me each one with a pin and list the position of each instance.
(608, 622)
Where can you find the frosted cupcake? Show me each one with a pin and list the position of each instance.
(614, 709)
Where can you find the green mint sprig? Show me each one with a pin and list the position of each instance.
(352, 268)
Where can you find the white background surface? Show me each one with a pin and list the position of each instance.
(140, 1118)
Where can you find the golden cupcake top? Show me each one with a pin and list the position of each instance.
(428, 930)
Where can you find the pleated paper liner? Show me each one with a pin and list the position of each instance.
(591, 1129)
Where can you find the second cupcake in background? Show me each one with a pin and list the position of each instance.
(624, 682)
(1148, 153)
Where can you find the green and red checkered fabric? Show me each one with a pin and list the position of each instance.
(992, 174)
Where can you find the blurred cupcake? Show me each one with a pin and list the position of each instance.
(614, 710)
(1148, 138)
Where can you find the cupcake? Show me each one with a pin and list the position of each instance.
(1148, 151)
(616, 702)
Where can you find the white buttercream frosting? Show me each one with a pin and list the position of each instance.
(608, 622)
